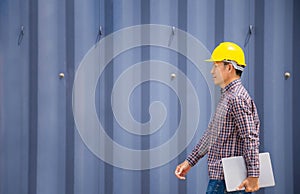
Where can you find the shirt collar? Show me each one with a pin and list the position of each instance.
(231, 85)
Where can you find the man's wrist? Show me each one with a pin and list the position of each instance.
(190, 162)
(253, 173)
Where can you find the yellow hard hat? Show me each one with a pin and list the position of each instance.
(228, 51)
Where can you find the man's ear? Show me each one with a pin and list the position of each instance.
(230, 67)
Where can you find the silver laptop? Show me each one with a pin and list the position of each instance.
(235, 171)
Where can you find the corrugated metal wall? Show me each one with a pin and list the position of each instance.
(42, 149)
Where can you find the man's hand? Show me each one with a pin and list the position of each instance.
(182, 169)
(250, 184)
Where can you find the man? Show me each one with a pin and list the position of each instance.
(234, 129)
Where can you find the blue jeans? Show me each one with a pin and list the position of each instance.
(219, 187)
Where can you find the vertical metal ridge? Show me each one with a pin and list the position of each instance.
(259, 62)
(145, 96)
(182, 65)
(70, 126)
(108, 85)
(296, 94)
(219, 21)
(33, 96)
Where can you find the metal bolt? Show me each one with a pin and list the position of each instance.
(287, 75)
(173, 76)
(61, 75)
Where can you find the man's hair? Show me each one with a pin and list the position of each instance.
(238, 72)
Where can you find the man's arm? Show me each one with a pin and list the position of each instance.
(247, 121)
(201, 148)
(198, 152)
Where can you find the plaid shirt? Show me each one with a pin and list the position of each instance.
(233, 131)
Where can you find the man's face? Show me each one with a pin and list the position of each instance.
(218, 72)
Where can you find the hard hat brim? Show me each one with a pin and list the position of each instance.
(209, 60)
(214, 60)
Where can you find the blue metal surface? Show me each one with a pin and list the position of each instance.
(14, 97)
(41, 150)
(296, 96)
(278, 92)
